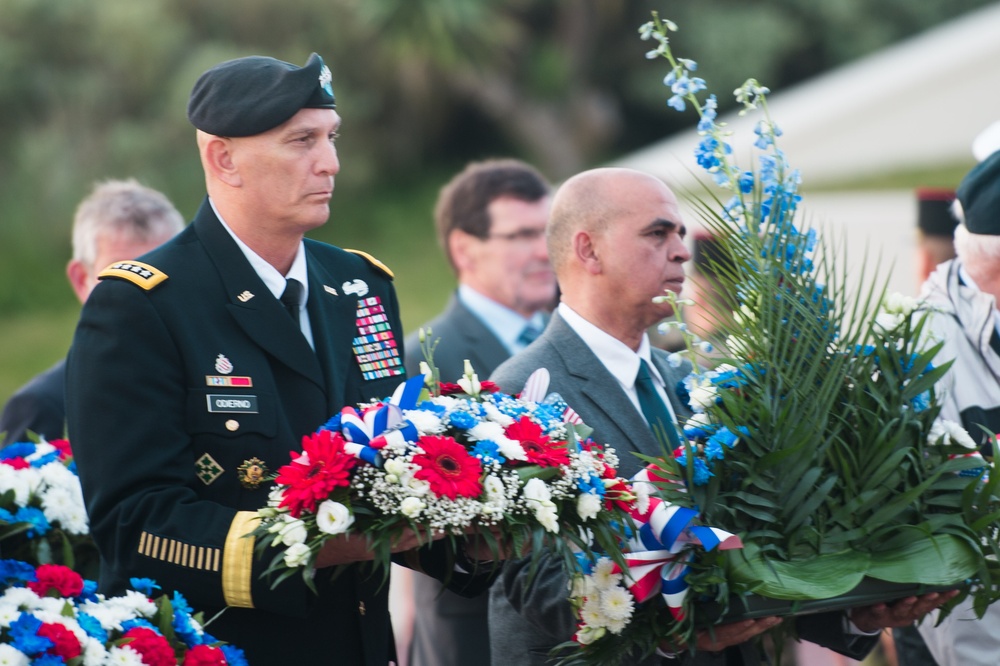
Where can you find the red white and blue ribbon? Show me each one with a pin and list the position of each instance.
(377, 427)
(658, 552)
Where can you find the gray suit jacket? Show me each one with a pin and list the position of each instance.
(527, 621)
(448, 629)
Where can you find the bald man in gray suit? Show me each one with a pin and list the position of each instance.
(615, 240)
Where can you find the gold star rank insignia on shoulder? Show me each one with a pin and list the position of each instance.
(136, 272)
(252, 473)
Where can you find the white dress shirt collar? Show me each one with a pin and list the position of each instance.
(503, 322)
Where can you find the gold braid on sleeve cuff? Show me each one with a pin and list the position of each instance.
(237, 560)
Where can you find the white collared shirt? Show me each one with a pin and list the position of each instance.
(501, 320)
(617, 357)
(969, 282)
(273, 279)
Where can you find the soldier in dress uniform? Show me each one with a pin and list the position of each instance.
(197, 368)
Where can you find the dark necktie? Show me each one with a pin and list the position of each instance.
(656, 413)
(291, 297)
(528, 335)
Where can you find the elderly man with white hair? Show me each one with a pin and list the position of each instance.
(964, 293)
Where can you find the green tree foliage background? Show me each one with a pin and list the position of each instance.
(96, 90)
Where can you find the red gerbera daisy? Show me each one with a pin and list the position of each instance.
(312, 476)
(448, 467)
(539, 449)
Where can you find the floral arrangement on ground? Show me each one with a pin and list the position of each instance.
(42, 516)
(446, 459)
(817, 440)
(50, 615)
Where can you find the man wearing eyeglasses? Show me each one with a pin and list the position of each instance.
(491, 221)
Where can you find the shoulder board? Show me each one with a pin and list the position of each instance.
(136, 272)
(372, 260)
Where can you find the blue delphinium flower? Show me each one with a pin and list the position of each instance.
(746, 182)
(488, 451)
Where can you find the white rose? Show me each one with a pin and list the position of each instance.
(297, 555)
(416, 487)
(888, 321)
(536, 491)
(395, 467)
(896, 303)
(703, 396)
(494, 488)
(548, 518)
(292, 532)
(333, 517)
(411, 507)
(588, 505)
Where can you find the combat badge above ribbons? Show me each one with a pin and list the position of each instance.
(252, 473)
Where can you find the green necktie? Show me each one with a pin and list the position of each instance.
(656, 413)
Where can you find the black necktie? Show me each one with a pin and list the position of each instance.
(656, 413)
(291, 297)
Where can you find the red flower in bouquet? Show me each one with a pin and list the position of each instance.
(448, 468)
(312, 476)
(450, 388)
(16, 463)
(56, 578)
(64, 642)
(151, 646)
(62, 445)
(204, 655)
(539, 450)
(619, 495)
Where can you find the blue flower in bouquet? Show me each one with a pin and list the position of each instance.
(137, 622)
(28, 514)
(15, 571)
(24, 635)
(182, 622)
(234, 655)
(701, 474)
(591, 484)
(92, 626)
(17, 450)
(463, 420)
(147, 586)
(488, 451)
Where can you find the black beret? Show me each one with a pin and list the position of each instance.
(979, 194)
(934, 216)
(251, 95)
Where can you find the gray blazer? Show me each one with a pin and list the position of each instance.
(448, 629)
(527, 621)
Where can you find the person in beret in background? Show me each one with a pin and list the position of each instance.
(962, 299)
(196, 369)
(935, 229)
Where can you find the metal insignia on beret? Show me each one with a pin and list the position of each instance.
(326, 80)
(207, 469)
(252, 473)
(136, 272)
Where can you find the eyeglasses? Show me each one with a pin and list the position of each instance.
(521, 236)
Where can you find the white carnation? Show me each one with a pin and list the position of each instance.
(426, 422)
(333, 517)
(588, 505)
(494, 414)
(11, 656)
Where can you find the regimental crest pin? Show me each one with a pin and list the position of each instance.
(245, 296)
(326, 80)
(358, 287)
(252, 473)
(223, 365)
